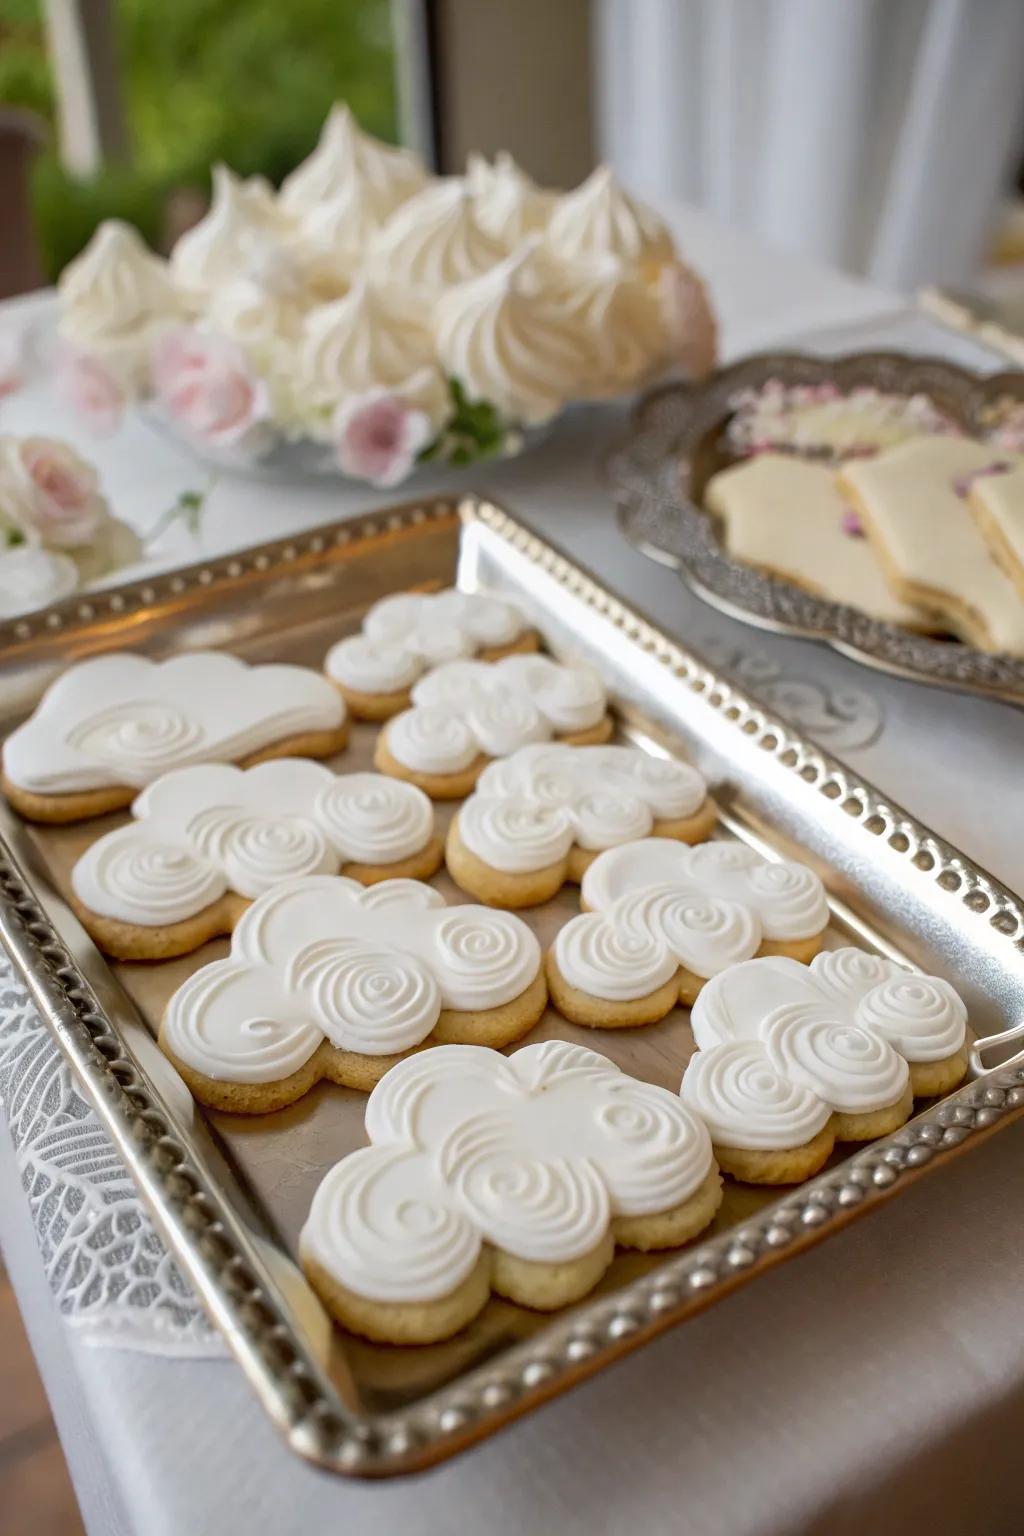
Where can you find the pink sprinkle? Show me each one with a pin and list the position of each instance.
(852, 525)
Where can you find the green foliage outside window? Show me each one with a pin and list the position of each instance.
(246, 81)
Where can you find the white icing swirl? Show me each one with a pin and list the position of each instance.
(605, 818)
(374, 819)
(604, 960)
(227, 1023)
(143, 880)
(705, 933)
(374, 1001)
(384, 1223)
(503, 721)
(921, 1016)
(372, 666)
(852, 1068)
(790, 898)
(431, 740)
(852, 972)
(599, 218)
(434, 240)
(486, 958)
(505, 344)
(657, 1151)
(258, 852)
(745, 1101)
(514, 835)
(557, 1209)
(139, 738)
(441, 626)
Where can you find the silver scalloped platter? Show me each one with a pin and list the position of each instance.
(677, 442)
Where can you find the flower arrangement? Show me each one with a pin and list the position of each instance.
(385, 315)
(56, 529)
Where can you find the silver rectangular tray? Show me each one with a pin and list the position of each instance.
(229, 1193)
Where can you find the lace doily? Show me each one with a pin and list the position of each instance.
(110, 1274)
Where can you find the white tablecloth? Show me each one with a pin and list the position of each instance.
(875, 1385)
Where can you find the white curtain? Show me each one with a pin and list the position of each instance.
(877, 135)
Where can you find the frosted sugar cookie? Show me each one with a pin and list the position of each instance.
(208, 840)
(663, 918)
(541, 816)
(911, 504)
(328, 979)
(795, 1057)
(403, 636)
(787, 516)
(996, 497)
(516, 1175)
(466, 712)
(111, 725)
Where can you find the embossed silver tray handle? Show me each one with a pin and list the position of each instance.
(981, 1048)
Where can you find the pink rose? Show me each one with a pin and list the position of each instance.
(378, 436)
(689, 318)
(91, 390)
(47, 492)
(207, 387)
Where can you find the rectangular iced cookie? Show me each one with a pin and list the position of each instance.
(788, 516)
(997, 500)
(912, 503)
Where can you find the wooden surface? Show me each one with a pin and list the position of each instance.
(35, 1491)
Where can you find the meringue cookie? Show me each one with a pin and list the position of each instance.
(238, 237)
(600, 218)
(375, 337)
(337, 235)
(505, 343)
(508, 204)
(345, 155)
(617, 313)
(435, 239)
(115, 296)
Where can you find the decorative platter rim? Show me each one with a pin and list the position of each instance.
(653, 471)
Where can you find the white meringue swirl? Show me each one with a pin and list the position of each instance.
(434, 240)
(599, 218)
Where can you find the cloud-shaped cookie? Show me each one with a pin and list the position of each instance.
(535, 1155)
(658, 905)
(367, 970)
(467, 708)
(404, 635)
(124, 719)
(205, 830)
(530, 809)
(784, 1047)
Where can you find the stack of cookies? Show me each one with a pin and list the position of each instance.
(882, 503)
(483, 1173)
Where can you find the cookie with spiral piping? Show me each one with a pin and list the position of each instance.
(466, 713)
(516, 1176)
(205, 842)
(541, 817)
(793, 1058)
(112, 724)
(405, 635)
(330, 979)
(661, 918)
